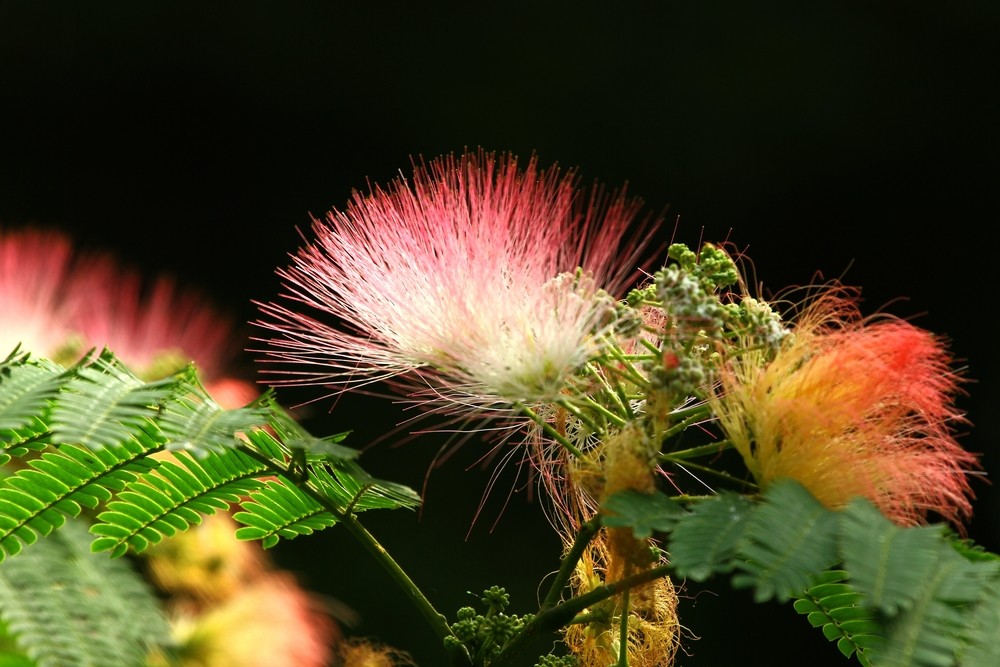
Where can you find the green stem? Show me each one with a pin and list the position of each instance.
(623, 632)
(568, 565)
(548, 428)
(563, 614)
(627, 368)
(695, 452)
(687, 417)
(576, 412)
(617, 391)
(717, 473)
(617, 420)
(434, 618)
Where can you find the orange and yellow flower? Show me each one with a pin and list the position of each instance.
(853, 406)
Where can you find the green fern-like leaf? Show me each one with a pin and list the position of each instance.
(791, 537)
(68, 608)
(980, 633)
(104, 403)
(35, 500)
(192, 421)
(27, 388)
(892, 565)
(281, 510)
(705, 541)
(919, 578)
(172, 497)
(296, 438)
(843, 616)
(644, 513)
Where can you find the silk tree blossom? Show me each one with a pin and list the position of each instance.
(157, 327)
(271, 622)
(35, 266)
(58, 302)
(473, 286)
(853, 407)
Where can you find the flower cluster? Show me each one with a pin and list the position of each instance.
(477, 285)
(480, 288)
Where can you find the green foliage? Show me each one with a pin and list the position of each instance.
(644, 513)
(138, 462)
(902, 597)
(705, 541)
(790, 536)
(483, 636)
(67, 607)
(26, 390)
(840, 611)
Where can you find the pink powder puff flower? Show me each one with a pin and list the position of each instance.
(59, 302)
(853, 407)
(35, 266)
(474, 286)
(157, 327)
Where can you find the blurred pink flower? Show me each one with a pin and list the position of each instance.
(153, 325)
(473, 286)
(58, 302)
(35, 267)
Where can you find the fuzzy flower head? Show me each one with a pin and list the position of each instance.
(35, 266)
(58, 302)
(153, 324)
(853, 407)
(475, 284)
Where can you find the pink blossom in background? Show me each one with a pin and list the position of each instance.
(460, 285)
(60, 302)
(146, 322)
(35, 267)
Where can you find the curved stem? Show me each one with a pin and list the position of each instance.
(583, 538)
(434, 618)
(695, 452)
(623, 632)
(563, 614)
(349, 521)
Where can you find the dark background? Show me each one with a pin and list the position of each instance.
(857, 139)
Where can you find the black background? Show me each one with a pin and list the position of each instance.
(857, 139)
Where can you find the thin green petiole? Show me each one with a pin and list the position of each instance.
(623, 632)
(550, 430)
(583, 537)
(617, 420)
(576, 412)
(617, 391)
(695, 452)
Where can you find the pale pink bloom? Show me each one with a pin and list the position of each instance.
(474, 285)
(153, 325)
(59, 302)
(35, 266)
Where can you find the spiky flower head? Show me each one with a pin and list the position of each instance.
(156, 326)
(849, 407)
(35, 267)
(58, 301)
(476, 283)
